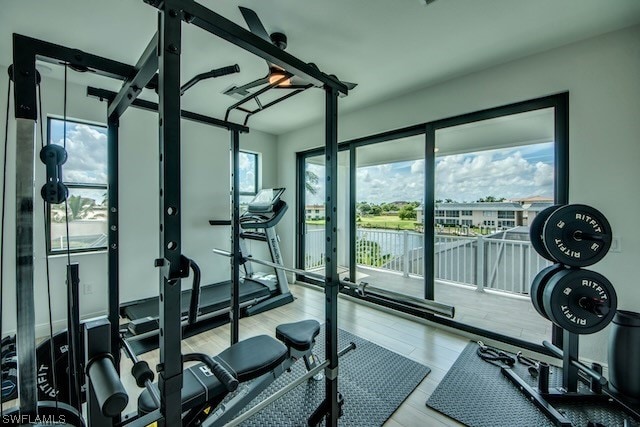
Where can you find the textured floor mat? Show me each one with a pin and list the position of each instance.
(476, 393)
(373, 380)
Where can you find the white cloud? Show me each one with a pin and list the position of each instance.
(510, 173)
(87, 155)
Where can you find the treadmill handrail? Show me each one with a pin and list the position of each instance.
(279, 210)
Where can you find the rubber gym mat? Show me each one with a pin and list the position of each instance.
(373, 381)
(477, 394)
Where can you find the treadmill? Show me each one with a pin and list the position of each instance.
(258, 291)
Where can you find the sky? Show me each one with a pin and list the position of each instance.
(87, 158)
(510, 173)
(87, 152)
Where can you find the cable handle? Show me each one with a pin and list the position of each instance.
(223, 373)
(219, 72)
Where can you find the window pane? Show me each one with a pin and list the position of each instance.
(87, 211)
(248, 168)
(389, 195)
(499, 173)
(87, 151)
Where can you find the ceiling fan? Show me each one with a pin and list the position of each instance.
(277, 76)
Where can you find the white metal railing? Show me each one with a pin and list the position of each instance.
(486, 262)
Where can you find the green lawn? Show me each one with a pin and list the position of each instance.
(382, 221)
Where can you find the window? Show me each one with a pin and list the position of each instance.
(248, 169)
(453, 214)
(85, 175)
(506, 215)
(439, 212)
(467, 213)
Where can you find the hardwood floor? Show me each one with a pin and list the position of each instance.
(511, 315)
(428, 345)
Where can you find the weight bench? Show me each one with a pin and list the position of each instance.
(260, 358)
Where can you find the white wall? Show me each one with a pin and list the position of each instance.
(601, 75)
(205, 195)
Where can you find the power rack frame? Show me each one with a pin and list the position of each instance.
(159, 68)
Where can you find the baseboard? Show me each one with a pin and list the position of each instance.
(42, 329)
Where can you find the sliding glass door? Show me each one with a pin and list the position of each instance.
(441, 211)
(389, 192)
(491, 178)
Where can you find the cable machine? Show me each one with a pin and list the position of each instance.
(159, 68)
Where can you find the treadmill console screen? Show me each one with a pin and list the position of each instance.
(265, 200)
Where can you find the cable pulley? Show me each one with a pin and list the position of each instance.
(54, 191)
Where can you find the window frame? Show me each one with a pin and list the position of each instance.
(72, 186)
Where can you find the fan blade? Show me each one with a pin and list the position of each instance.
(349, 85)
(242, 90)
(298, 81)
(254, 23)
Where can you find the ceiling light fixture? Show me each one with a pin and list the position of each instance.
(426, 2)
(277, 75)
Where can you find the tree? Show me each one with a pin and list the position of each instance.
(78, 206)
(365, 208)
(407, 212)
(376, 210)
(311, 181)
(491, 199)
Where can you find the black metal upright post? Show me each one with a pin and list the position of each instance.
(332, 281)
(170, 368)
(234, 162)
(113, 266)
(427, 210)
(353, 226)
(25, 337)
(561, 189)
(74, 354)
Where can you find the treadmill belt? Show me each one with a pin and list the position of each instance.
(212, 298)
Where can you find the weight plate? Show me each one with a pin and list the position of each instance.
(536, 229)
(577, 235)
(63, 383)
(538, 285)
(580, 301)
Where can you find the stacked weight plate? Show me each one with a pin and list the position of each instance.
(572, 236)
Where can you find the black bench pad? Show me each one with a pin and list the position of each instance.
(249, 359)
(299, 335)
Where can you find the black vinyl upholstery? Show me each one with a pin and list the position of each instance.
(299, 335)
(249, 359)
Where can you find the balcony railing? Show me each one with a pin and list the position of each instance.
(486, 262)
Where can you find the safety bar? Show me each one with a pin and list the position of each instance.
(362, 290)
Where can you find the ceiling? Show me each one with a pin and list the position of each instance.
(388, 47)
